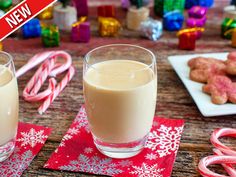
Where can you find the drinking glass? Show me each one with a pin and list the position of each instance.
(9, 105)
(120, 89)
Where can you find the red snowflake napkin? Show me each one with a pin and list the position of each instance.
(78, 153)
(30, 139)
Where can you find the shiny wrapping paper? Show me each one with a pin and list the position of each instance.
(5, 4)
(204, 3)
(64, 17)
(31, 29)
(161, 7)
(152, 29)
(187, 41)
(46, 14)
(106, 11)
(226, 25)
(108, 26)
(196, 22)
(50, 36)
(188, 37)
(173, 21)
(197, 30)
(81, 7)
(136, 16)
(197, 11)
(80, 32)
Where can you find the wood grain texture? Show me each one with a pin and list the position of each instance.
(173, 99)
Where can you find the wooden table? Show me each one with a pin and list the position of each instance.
(173, 99)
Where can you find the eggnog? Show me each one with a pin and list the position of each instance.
(8, 105)
(120, 99)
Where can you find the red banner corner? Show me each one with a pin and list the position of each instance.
(20, 14)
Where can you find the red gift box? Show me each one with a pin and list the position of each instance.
(187, 41)
(106, 11)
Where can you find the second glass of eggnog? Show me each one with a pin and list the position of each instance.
(120, 89)
(9, 103)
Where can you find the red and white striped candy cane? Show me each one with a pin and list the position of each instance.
(39, 58)
(214, 159)
(50, 67)
(223, 155)
(57, 90)
(228, 167)
(223, 132)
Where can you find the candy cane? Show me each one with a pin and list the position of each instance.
(223, 155)
(50, 67)
(223, 132)
(57, 90)
(228, 167)
(214, 159)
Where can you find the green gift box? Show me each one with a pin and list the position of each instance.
(50, 36)
(161, 7)
(5, 4)
(226, 27)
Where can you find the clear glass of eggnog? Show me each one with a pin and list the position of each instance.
(120, 89)
(9, 105)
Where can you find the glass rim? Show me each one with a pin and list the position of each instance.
(9, 58)
(153, 58)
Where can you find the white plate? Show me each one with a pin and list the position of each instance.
(203, 101)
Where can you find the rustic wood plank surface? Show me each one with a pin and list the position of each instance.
(173, 99)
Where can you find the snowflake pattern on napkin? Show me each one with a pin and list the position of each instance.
(78, 153)
(30, 139)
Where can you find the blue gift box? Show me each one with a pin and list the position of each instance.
(173, 21)
(203, 3)
(32, 29)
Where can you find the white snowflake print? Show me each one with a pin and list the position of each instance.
(16, 164)
(125, 163)
(73, 131)
(65, 138)
(32, 137)
(95, 164)
(147, 171)
(82, 120)
(165, 140)
(151, 156)
(88, 150)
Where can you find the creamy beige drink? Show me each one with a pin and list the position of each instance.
(120, 97)
(8, 105)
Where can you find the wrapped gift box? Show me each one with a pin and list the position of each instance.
(226, 25)
(50, 36)
(173, 21)
(32, 29)
(161, 7)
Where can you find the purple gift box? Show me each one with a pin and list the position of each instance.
(81, 7)
(125, 4)
(81, 32)
(197, 12)
(195, 22)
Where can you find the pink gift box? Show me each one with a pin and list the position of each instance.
(81, 32)
(197, 12)
(195, 22)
